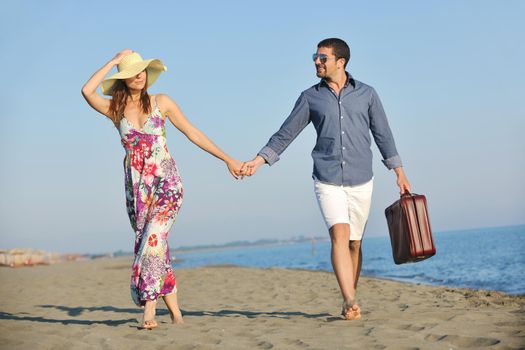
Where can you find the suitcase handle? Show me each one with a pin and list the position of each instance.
(408, 194)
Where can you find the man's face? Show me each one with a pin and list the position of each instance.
(328, 68)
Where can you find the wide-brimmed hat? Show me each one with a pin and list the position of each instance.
(132, 65)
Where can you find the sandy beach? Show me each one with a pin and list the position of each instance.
(86, 305)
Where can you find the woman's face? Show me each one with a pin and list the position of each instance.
(137, 82)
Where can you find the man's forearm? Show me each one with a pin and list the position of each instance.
(399, 171)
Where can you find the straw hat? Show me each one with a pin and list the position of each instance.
(132, 65)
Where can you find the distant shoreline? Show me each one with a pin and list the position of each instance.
(247, 244)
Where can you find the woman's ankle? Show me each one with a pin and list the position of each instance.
(150, 309)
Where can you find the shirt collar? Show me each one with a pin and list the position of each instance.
(349, 80)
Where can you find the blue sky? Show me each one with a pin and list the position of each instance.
(449, 74)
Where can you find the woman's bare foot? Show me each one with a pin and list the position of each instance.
(351, 311)
(149, 324)
(148, 319)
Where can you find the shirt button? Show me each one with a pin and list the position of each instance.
(344, 162)
(339, 102)
(342, 132)
(344, 148)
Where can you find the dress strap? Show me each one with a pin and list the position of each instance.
(157, 106)
(155, 101)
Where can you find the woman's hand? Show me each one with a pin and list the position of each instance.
(120, 56)
(89, 90)
(234, 167)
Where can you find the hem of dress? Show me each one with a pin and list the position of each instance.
(142, 302)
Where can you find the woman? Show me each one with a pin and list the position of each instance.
(153, 187)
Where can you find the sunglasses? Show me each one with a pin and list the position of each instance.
(322, 57)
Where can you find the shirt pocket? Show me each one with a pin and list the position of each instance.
(324, 146)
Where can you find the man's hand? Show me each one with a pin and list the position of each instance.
(250, 168)
(402, 181)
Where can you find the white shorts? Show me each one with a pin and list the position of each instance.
(345, 205)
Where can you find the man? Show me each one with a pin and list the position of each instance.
(343, 111)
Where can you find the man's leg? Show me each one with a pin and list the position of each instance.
(342, 261)
(359, 200)
(344, 270)
(333, 204)
(357, 258)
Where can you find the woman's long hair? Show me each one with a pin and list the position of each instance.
(120, 95)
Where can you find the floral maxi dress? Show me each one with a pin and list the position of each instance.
(153, 198)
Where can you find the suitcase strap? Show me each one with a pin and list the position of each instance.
(412, 196)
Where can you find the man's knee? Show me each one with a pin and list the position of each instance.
(340, 233)
(355, 245)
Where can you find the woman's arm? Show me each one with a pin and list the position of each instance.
(196, 136)
(89, 90)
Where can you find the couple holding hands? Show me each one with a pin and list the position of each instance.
(345, 113)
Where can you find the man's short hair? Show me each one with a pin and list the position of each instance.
(340, 48)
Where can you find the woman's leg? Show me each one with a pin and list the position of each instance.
(149, 315)
(173, 307)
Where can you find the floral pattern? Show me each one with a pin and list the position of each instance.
(154, 195)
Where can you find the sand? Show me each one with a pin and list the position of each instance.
(86, 305)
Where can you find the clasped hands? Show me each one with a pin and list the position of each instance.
(240, 169)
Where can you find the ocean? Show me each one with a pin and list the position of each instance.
(487, 258)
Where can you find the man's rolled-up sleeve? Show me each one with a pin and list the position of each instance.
(298, 119)
(392, 162)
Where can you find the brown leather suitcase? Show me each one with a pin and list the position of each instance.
(409, 228)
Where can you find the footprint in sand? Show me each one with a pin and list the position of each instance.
(265, 345)
(510, 324)
(211, 340)
(410, 327)
(297, 342)
(403, 307)
(463, 342)
(189, 347)
(141, 336)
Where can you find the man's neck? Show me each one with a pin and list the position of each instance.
(338, 82)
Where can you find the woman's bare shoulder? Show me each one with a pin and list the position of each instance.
(165, 102)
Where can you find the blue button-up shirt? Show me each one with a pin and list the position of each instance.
(342, 154)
